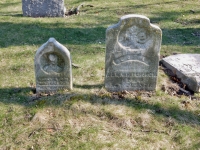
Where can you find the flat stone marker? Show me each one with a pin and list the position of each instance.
(53, 69)
(132, 54)
(186, 67)
(43, 8)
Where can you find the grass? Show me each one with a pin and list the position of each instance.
(89, 117)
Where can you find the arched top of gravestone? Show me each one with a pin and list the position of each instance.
(52, 53)
(52, 42)
(134, 32)
(53, 66)
(140, 20)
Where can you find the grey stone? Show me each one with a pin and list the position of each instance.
(53, 69)
(186, 67)
(43, 8)
(132, 54)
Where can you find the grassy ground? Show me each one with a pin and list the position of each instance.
(89, 117)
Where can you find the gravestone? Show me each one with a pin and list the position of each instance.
(132, 54)
(53, 69)
(186, 67)
(43, 8)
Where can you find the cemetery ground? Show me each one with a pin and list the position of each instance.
(89, 117)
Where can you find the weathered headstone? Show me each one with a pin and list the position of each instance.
(186, 67)
(132, 54)
(53, 69)
(43, 8)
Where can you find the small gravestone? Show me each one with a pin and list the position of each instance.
(43, 8)
(53, 69)
(186, 67)
(132, 54)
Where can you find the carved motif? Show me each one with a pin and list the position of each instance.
(52, 65)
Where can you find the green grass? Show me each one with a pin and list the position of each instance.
(89, 117)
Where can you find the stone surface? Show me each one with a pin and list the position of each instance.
(186, 67)
(53, 69)
(43, 8)
(132, 54)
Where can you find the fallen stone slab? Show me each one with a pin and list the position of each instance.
(186, 67)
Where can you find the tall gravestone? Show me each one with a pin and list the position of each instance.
(43, 8)
(132, 54)
(53, 69)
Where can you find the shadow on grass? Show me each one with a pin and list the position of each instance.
(16, 95)
(174, 16)
(37, 33)
(178, 36)
(12, 14)
(24, 96)
(182, 37)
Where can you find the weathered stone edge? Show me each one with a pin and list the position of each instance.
(190, 81)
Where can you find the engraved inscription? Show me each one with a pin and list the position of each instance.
(131, 74)
(52, 88)
(52, 81)
(133, 85)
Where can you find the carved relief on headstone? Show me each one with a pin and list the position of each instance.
(132, 54)
(53, 69)
(43, 8)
